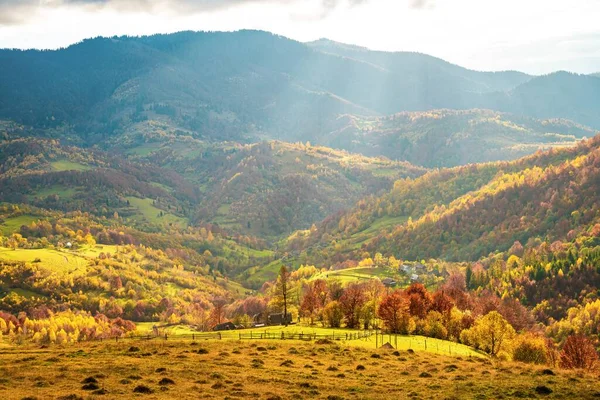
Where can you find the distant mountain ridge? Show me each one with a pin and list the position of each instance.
(251, 85)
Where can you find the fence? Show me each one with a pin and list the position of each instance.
(375, 339)
(252, 336)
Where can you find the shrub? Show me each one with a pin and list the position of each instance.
(578, 352)
(530, 349)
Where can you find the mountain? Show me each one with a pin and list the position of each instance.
(561, 94)
(468, 212)
(445, 138)
(250, 85)
(419, 66)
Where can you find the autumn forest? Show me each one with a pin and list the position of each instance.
(264, 196)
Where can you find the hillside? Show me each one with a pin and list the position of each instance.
(573, 97)
(271, 188)
(266, 189)
(250, 85)
(466, 213)
(446, 138)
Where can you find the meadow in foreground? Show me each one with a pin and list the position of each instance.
(224, 369)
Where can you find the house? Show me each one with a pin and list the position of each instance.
(225, 326)
(260, 319)
(405, 268)
(419, 267)
(388, 282)
(278, 319)
(414, 277)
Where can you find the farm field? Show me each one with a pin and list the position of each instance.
(271, 370)
(400, 342)
(355, 274)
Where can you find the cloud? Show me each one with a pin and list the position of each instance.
(18, 11)
(422, 4)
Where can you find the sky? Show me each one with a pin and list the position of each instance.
(533, 36)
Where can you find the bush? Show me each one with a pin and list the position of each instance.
(578, 352)
(530, 349)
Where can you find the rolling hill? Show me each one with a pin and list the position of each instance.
(265, 189)
(468, 212)
(446, 138)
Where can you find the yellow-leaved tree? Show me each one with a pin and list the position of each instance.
(490, 333)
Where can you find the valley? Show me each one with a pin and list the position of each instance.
(195, 214)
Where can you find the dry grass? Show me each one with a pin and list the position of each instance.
(270, 370)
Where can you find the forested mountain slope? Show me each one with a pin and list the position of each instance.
(446, 138)
(251, 85)
(271, 188)
(466, 213)
(265, 189)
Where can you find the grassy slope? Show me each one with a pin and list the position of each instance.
(64, 262)
(150, 213)
(11, 225)
(66, 165)
(416, 343)
(354, 274)
(237, 369)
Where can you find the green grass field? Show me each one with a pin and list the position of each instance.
(256, 276)
(66, 165)
(13, 224)
(95, 251)
(399, 342)
(150, 213)
(354, 274)
(54, 260)
(356, 240)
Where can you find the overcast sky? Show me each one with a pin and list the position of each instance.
(535, 36)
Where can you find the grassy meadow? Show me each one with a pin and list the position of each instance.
(151, 213)
(55, 260)
(275, 369)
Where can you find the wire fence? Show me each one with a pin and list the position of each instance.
(252, 335)
(376, 339)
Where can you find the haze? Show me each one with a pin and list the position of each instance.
(536, 36)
